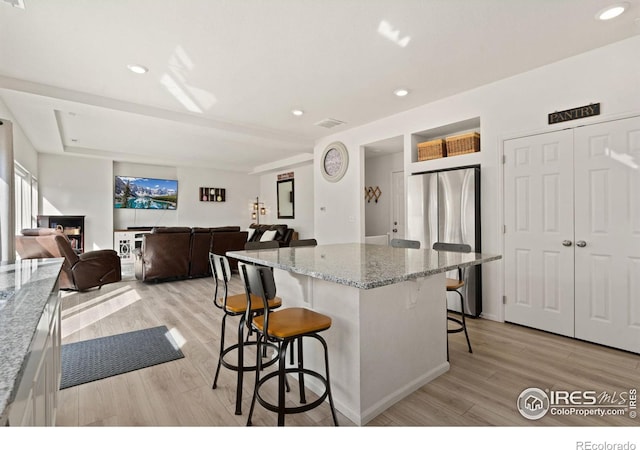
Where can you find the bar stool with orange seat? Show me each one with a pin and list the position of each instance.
(455, 285)
(235, 306)
(284, 327)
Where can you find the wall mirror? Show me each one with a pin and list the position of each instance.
(285, 199)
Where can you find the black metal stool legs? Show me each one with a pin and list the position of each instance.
(258, 369)
(462, 322)
(326, 365)
(215, 378)
(240, 362)
(303, 398)
(280, 408)
(282, 376)
(240, 370)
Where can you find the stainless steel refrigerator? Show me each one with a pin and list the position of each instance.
(444, 206)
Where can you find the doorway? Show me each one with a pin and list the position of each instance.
(397, 224)
(384, 202)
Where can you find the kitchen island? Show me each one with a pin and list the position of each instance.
(29, 341)
(388, 308)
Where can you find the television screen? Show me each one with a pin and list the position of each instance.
(145, 193)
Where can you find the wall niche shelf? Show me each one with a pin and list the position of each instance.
(71, 226)
(442, 132)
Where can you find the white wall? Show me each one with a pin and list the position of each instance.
(515, 106)
(23, 151)
(71, 185)
(378, 171)
(14, 146)
(303, 222)
(241, 190)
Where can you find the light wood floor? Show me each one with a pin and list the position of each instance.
(480, 389)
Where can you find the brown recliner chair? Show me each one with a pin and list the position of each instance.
(79, 272)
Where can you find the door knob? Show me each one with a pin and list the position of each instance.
(395, 230)
(567, 243)
(581, 243)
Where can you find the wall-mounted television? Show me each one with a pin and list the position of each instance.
(145, 193)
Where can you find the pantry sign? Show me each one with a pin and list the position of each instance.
(575, 113)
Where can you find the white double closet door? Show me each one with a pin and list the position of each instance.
(572, 232)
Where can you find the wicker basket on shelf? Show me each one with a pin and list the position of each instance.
(431, 150)
(463, 143)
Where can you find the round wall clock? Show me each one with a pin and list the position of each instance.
(334, 161)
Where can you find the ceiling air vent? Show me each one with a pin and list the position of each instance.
(16, 3)
(329, 123)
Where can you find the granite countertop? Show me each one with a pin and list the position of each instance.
(24, 291)
(364, 266)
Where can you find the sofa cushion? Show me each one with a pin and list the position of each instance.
(250, 232)
(268, 235)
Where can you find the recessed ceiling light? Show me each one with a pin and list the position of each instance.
(136, 68)
(297, 112)
(401, 92)
(612, 11)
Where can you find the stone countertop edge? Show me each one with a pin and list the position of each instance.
(246, 256)
(19, 319)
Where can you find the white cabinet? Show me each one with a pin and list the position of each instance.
(36, 399)
(572, 237)
(125, 243)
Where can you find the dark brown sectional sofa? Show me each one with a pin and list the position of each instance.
(183, 252)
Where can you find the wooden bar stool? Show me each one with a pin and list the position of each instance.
(284, 327)
(236, 306)
(455, 285)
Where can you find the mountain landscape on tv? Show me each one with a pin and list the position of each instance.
(145, 193)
